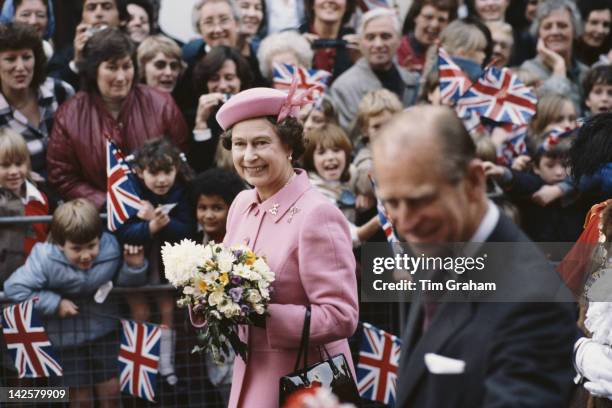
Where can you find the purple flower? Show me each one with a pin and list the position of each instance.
(245, 310)
(236, 280)
(238, 254)
(236, 294)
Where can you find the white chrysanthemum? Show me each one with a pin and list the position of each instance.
(181, 261)
(225, 260)
(245, 272)
(209, 277)
(259, 309)
(188, 290)
(261, 267)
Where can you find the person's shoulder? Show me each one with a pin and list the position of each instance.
(244, 198)
(109, 246)
(353, 75)
(153, 98)
(193, 49)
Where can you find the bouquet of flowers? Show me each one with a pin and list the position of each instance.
(222, 287)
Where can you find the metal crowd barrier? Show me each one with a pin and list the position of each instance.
(194, 388)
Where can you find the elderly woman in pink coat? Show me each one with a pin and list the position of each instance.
(304, 238)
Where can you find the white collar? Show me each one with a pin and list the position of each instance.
(484, 230)
(32, 194)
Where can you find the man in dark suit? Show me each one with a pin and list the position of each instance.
(470, 353)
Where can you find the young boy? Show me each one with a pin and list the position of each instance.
(68, 276)
(213, 192)
(597, 86)
(560, 221)
(375, 109)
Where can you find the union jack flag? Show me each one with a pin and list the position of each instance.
(307, 78)
(500, 96)
(454, 83)
(378, 362)
(553, 137)
(514, 145)
(367, 5)
(385, 223)
(28, 343)
(139, 358)
(122, 199)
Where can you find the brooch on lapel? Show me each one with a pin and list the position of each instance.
(274, 209)
(292, 212)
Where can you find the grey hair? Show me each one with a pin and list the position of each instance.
(195, 11)
(377, 13)
(284, 41)
(548, 6)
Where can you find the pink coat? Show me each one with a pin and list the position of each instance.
(306, 242)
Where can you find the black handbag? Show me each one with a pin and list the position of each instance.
(334, 373)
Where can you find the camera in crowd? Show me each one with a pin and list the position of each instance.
(329, 43)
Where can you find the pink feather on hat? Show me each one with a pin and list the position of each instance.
(259, 102)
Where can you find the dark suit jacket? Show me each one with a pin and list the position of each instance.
(515, 354)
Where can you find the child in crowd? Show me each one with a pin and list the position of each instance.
(560, 221)
(597, 86)
(316, 115)
(213, 192)
(327, 160)
(66, 275)
(375, 109)
(166, 216)
(18, 196)
(552, 111)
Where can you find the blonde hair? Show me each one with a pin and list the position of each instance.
(461, 35)
(76, 221)
(548, 108)
(151, 46)
(374, 103)
(485, 148)
(329, 136)
(13, 148)
(501, 26)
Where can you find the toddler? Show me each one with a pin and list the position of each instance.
(66, 274)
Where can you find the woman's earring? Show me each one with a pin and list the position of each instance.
(290, 158)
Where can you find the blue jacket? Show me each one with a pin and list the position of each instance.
(48, 275)
(182, 219)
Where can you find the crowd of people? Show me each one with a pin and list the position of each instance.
(220, 155)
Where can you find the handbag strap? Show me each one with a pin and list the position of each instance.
(329, 359)
(304, 342)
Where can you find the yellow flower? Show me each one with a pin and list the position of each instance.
(250, 258)
(202, 286)
(224, 279)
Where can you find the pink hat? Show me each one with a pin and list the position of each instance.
(259, 102)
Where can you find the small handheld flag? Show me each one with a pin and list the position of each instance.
(378, 363)
(385, 223)
(318, 79)
(139, 358)
(28, 342)
(453, 81)
(500, 96)
(122, 199)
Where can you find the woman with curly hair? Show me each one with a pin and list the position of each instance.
(286, 220)
(28, 99)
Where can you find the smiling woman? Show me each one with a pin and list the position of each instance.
(28, 100)
(113, 106)
(285, 219)
(557, 25)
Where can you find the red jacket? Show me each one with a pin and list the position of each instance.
(76, 157)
